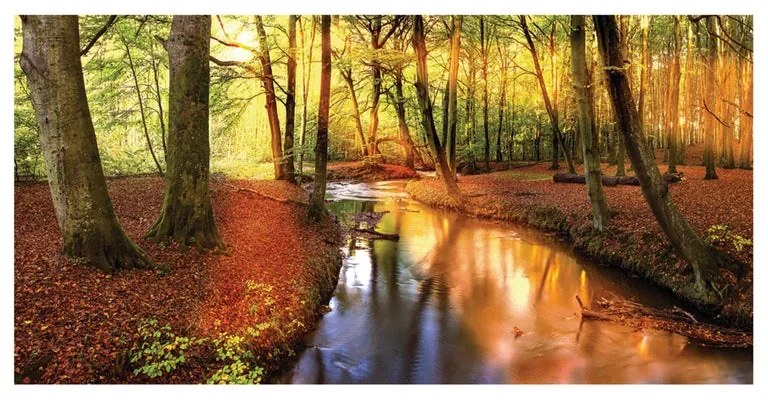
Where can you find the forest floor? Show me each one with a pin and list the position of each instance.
(368, 172)
(720, 210)
(74, 324)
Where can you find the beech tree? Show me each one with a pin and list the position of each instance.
(187, 215)
(425, 106)
(317, 201)
(89, 227)
(589, 140)
(705, 260)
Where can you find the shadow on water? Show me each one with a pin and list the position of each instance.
(443, 305)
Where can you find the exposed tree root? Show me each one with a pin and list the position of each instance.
(675, 320)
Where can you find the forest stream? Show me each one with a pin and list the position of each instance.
(461, 300)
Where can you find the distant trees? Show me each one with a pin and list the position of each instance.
(187, 215)
(89, 227)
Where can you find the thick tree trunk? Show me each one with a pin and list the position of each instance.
(453, 78)
(317, 201)
(711, 101)
(557, 136)
(290, 102)
(187, 216)
(589, 143)
(271, 102)
(425, 106)
(89, 227)
(674, 99)
(705, 260)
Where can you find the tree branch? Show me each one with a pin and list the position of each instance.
(100, 33)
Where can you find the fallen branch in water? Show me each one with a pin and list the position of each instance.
(372, 234)
(675, 320)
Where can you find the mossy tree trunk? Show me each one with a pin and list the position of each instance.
(317, 200)
(89, 227)
(705, 260)
(187, 215)
(425, 106)
(589, 140)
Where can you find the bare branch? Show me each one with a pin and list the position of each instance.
(100, 33)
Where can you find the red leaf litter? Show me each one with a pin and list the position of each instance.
(71, 321)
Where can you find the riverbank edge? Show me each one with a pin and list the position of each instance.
(591, 244)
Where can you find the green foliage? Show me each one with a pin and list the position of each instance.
(721, 235)
(160, 351)
(240, 367)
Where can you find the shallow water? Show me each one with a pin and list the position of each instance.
(443, 304)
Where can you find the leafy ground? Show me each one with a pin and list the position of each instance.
(74, 324)
(368, 172)
(720, 209)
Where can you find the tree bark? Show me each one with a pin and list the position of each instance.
(89, 227)
(711, 100)
(402, 122)
(425, 106)
(589, 143)
(160, 114)
(551, 111)
(317, 200)
(484, 69)
(306, 75)
(453, 77)
(705, 260)
(346, 73)
(745, 138)
(674, 99)
(187, 215)
(271, 102)
(290, 102)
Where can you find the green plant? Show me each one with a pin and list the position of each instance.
(161, 350)
(241, 367)
(722, 235)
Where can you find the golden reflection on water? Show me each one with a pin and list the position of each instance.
(444, 304)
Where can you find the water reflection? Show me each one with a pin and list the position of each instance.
(442, 305)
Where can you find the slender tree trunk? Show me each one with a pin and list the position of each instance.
(705, 260)
(187, 215)
(502, 103)
(711, 100)
(425, 105)
(306, 75)
(271, 102)
(589, 142)
(402, 122)
(484, 52)
(551, 111)
(141, 105)
(453, 77)
(674, 99)
(317, 201)
(290, 102)
(160, 115)
(745, 148)
(89, 227)
(346, 73)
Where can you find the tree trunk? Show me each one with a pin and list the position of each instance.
(271, 102)
(187, 216)
(674, 98)
(453, 77)
(484, 53)
(402, 122)
(551, 111)
(425, 106)
(589, 143)
(705, 260)
(290, 102)
(346, 73)
(141, 105)
(745, 138)
(711, 101)
(306, 75)
(502, 103)
(317, 201)
(160, 114)
(89, 227)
